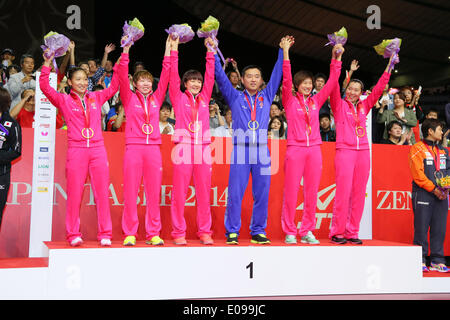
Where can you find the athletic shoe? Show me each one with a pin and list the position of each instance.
(206, 240)
(355, 241)
(105, 243)
(76, 242)
(337, 240)
(156, 241)
(233, 239)
(438, 267)
(260, 239)
(180, 241)
(290, 239)
(310, 239)
(424, 268)
(129, 241)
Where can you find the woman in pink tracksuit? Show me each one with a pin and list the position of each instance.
(86, 153)
(192, 155)
(143, 147)
(352, 162)
(304, 154)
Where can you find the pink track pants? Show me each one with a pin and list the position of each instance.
(301, 162)
(142, 162)
(352, 174)
(191, 161)
(80, 163)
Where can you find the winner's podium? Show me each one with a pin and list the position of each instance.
(219, 271)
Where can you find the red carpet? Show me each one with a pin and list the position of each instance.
(218, 243)
(23, 263)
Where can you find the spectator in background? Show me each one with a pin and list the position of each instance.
(23, 80)
(24, 111)
(319, 82)
(226, 130)
(277, 110)
(108, 73)
(349, 74)
(139, 66)
(276, 128)
(7, 57)
(234, 76)
(95, 72)
(12, 69)
(326, 132)
(404, 115)
(387, 98)
(165, 127)
(215, 119)
(396, 135)
(412, 103)
(117, 120)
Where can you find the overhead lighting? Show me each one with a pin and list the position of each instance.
(396, 71)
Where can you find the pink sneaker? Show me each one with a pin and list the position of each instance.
(76, 242)
(206, 240)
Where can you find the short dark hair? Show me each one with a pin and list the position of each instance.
(357, 81)
(166, 105)
(191, 75)
(432, 124)
(324, 115)
(301, 76)
(5, 100)
(75, 70)
(25, 56)
(393, 123)
(252, 66)
(320, 75)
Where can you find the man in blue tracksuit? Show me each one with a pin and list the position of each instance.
(250, 111)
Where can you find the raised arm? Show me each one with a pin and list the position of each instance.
(208, 84)
(106, 94)
(55, 97)
(287, 73)
(377, 91)
(174, 82)
(124, 82)
(160, 93)
(335, 72)
(275, 78)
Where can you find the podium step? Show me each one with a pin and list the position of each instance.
(220, 271)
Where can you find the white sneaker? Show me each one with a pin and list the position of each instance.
(105, 242)
(310, 239)
(76, 242)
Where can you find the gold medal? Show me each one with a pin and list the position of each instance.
(87, 133)
(147, 129)
(253, 125)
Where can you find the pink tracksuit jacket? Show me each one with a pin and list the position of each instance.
(352, 162)
(192, 154)
(143, 158)
(304, 154)
(84, 156)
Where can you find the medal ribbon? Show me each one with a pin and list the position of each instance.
(147, 112)
(252, 107)
(194, 107)
(305, 109)
(355, 115)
